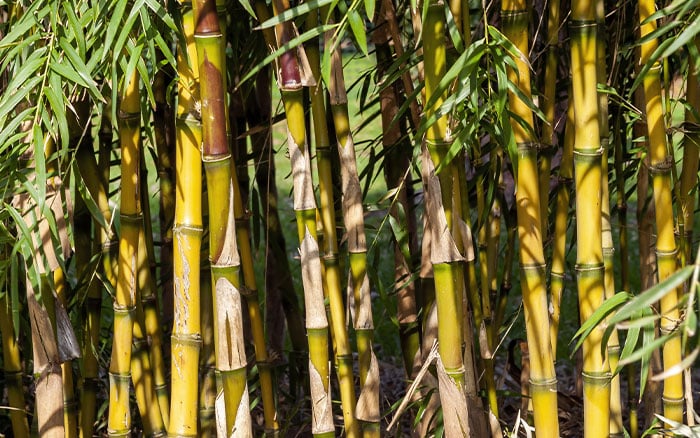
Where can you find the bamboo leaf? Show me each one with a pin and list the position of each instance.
(313, 33)
(297, 11)
(357, 26)
(598, 316)
(652, 295)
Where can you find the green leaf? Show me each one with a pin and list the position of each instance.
(357, 25)
(599, 316)
(302, 9)
(652, 295)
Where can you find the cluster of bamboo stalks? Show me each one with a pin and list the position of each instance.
(190, 342)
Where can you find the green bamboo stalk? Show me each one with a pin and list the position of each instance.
(187, 240)
(445, 230)
(231, 359)
(119, 421)
(280, 293)
(358, 281)
(666, 249)
(250, 291)
(588, 174)
(543, 380)
(289, 79)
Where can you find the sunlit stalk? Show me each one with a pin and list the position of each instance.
(666, 250)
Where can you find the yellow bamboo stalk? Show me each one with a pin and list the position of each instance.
(331, 260)
(187, 240)
(445, 228)
(666, 250)
(231, 359)
(560, 224)
(250, 291)
(588, 174)
(119, 421)
(613, 347)
(548, 102)
(96, 185)
(532, 264)
(304, 203)
(142, 370)
(358, 281)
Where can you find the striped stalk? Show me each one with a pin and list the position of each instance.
(331, 259)
(666, 250)
(543, 381)
(304, 205)
(231, 359)
(242, 228)
(588, 174)
(547, 149)
(561, 219)
(358, 281)
(280, 293)
(613, 347)
(12, 367)
(444, 254)
(187, 241)
(119, 421)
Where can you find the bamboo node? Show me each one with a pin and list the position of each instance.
(588, 155)
(529, 267)
(186, 339)
(122, 309)
(528, 146)
(662, 167)
(117, 378)
(596, 378)
(215, 159)
(666, 254)
(247, 291)
(668, 401)
(132, 219)
(589, 269)
(549, 384)
(582, 27)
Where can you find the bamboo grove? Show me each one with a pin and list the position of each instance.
(331, 218)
